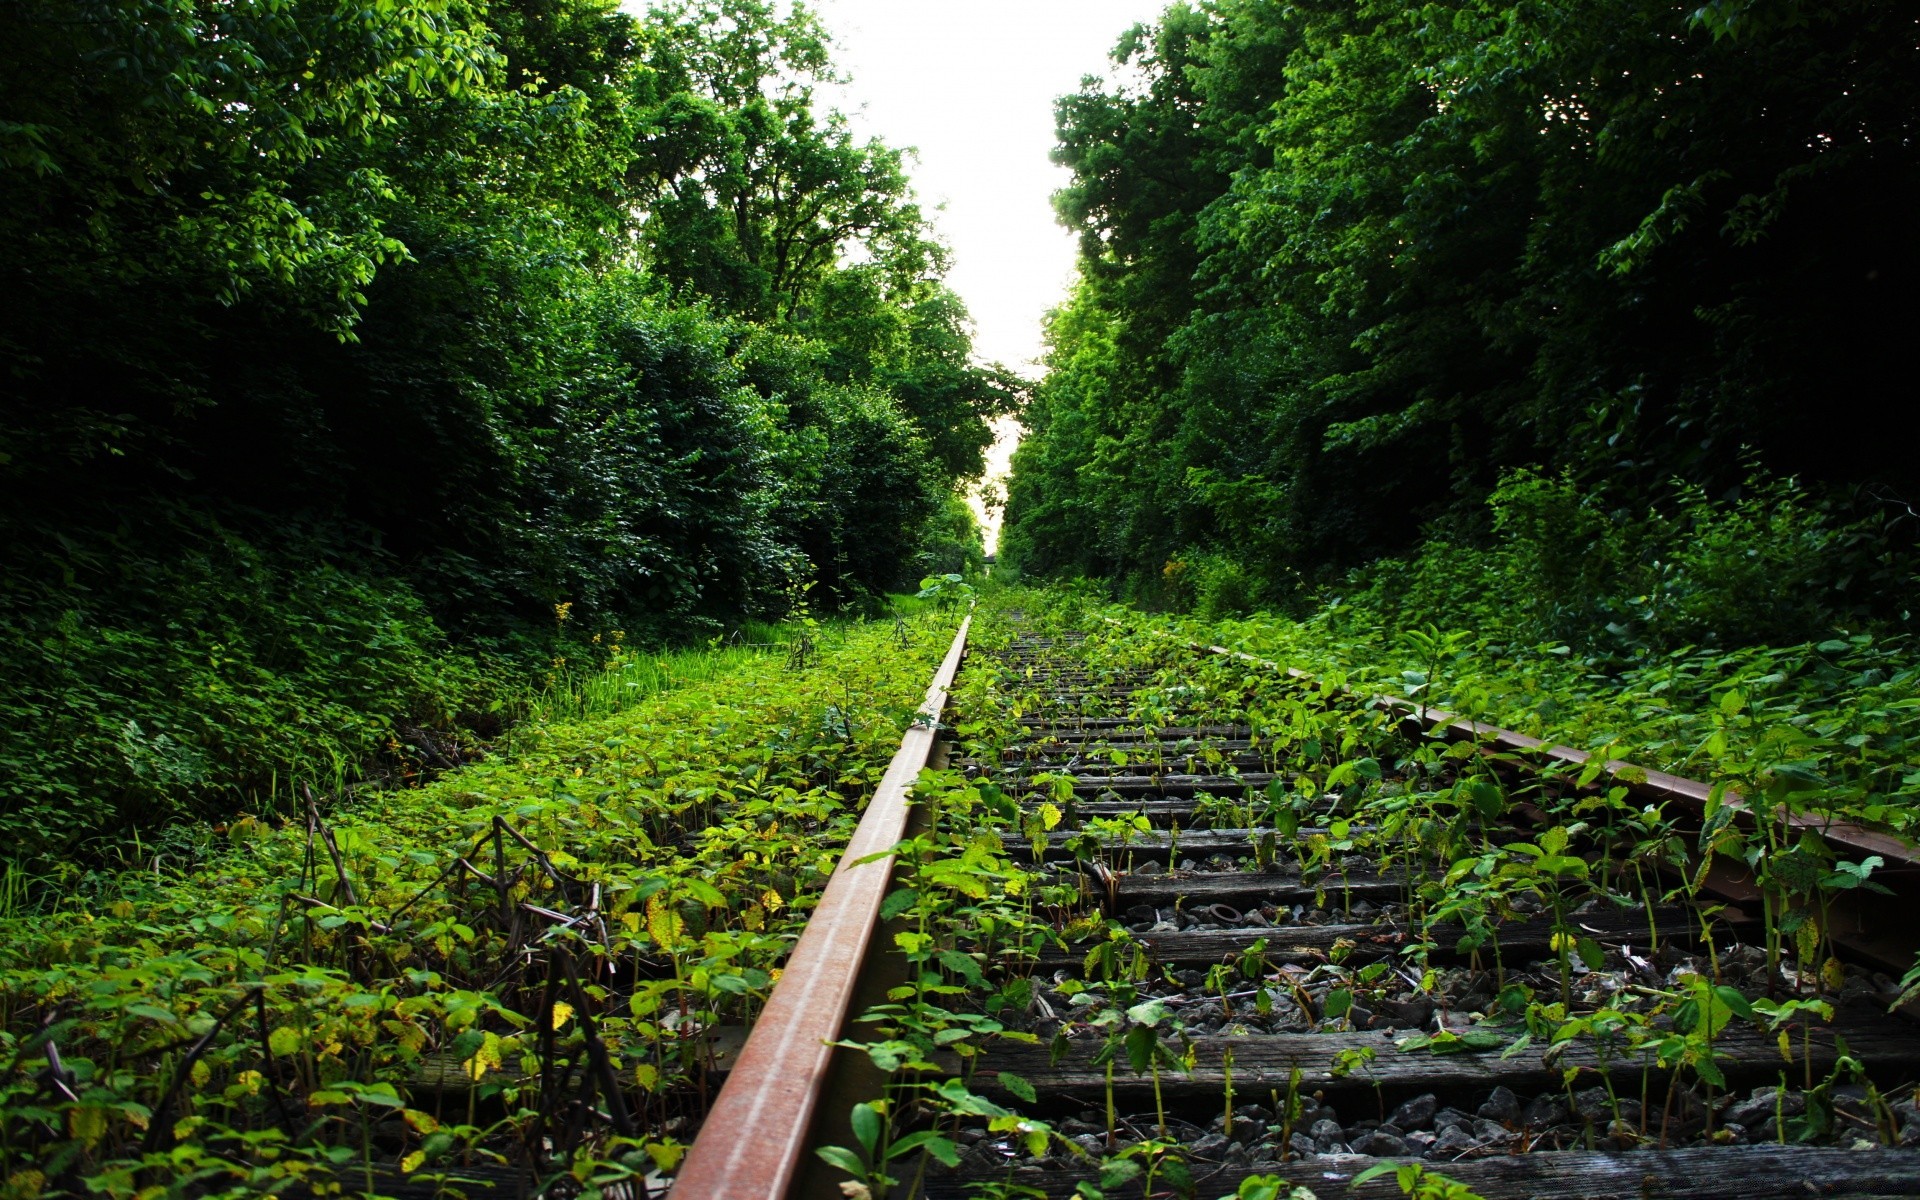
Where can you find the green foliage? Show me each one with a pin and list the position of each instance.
(1343, 268)
(242, 1016)
(214, 679)
(344, 344)
(954, 543)
(1773, 564)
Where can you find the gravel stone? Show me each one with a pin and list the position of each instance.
(1502, 1106)
(1416, 1113)
(1382, 1145)
(1453, 1141)
(1545, 1109)
(1756, 1108)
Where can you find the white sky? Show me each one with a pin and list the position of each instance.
(970, 84)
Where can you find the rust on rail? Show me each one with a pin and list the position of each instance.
(750, 1146)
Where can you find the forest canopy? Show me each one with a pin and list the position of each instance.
(350, 350)
(1349, 272)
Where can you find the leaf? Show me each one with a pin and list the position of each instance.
(867, 1126)
(897, 903)
(939, 1147)
(1590, 953)
(1141, 1039)
(153, 1013)
(843, 1158)
(1018, 1087)
(963, 966)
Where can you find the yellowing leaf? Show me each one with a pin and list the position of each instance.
(561, 1013)
(412, 1162)
(87, 1124)
(284, 1040)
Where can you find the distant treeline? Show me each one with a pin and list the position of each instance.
(1346, 268)
(349, 353)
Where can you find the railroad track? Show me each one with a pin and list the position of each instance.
(1258, 928)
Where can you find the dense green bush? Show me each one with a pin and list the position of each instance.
(1345, 266)
(1774, 564)
(213, 677)
(341, 348)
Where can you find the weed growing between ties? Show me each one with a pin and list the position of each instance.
(1391, 897)
(529, 964)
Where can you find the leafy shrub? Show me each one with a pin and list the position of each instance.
(692, 832)
(210, 679)
(1776, 563)
(953, 542)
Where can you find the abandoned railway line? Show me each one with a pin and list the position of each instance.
(1234, 928)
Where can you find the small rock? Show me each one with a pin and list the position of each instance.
(1149, 868)
(1454, 1140)
(1210, 1147)
(1414, 1013)
(1502, 1106)
(1326, 1130)
(1300, 1143)
(1237, 1155)
(1595, 1107)
(1492, 1133)
(1382, 1145)
(1447, 1117)
(1360, 1015)
(1092, 1143)
(1419, 1141)
(1142, 913)
(1416, 1113)
(1070, 1127)
(1544, 1110)
(1756, 1108)
(968, 1137)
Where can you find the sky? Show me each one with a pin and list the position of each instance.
(970, 84)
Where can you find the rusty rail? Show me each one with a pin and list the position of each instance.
(750, 1146)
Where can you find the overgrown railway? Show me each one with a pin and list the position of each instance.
(1244, 929)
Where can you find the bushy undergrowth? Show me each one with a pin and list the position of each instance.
(214, 678)
(1762, 636)
(1777, 563)
(490, 967)
(1834, 723)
